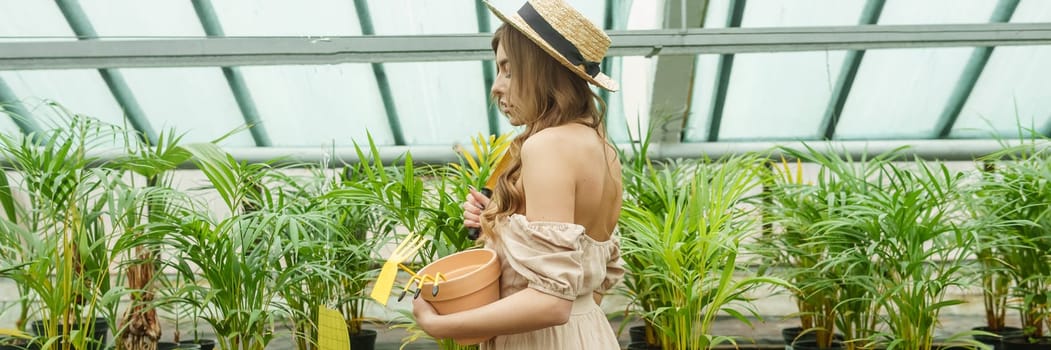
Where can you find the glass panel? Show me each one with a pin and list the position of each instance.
(408, 17)
(192, 100)
(287, 18)
(794, 87)
(704, 80)
(616, 124)
(8, 126)
(909, 87)
(439, 102)
(32, 19)
(309, 105)
(132, 18)
(319, 105)
(630, 107)
(80, 91)
(1013, 87)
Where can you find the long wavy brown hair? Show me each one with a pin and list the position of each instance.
(546, 94)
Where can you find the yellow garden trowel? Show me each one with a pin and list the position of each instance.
(385, 283)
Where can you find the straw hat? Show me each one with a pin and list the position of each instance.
(566, 35)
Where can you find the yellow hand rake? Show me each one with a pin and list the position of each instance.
(385, 283)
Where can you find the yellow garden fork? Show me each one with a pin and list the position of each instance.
(385, 283)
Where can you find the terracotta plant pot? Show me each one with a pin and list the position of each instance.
(472, 279)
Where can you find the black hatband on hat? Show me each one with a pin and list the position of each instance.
(556, 40)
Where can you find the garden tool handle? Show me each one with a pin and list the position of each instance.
(474, 232)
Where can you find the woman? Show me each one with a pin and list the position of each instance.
(554, 212)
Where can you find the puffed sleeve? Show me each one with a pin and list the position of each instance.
(614, 268)
(547, 254)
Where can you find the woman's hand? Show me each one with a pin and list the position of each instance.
(472, 208)
(425, 316)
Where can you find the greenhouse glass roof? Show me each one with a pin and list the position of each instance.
(305, 75)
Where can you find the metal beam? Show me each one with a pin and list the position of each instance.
(971, 72)
(118, 87)
(946, 150)
(242, 51)
(12, 106)
(234, 78)
(365, 19)
(673, 77)
(845, 82)
(726, 63)
(488, 73)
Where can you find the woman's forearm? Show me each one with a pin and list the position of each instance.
(525, 311)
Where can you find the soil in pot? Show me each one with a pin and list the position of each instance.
(364, 340)
(996, 341)
(1026, 343)
(100, 333)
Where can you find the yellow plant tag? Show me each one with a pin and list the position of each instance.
(331, 330)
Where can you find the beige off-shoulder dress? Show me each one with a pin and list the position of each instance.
(558, 259)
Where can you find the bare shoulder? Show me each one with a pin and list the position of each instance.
(564, 143)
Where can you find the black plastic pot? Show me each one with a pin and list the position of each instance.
(996, 342)
(811, 344)
(637, 334)
(1024, 343)
(164, 345)
(790, 335)
(100, 333)
(364, 340)
(642, 346)
(203, 344)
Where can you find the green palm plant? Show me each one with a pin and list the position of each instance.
(637, 174)
(923, 250)
(64, 249)
(786, 250)
(375, 197)
(153, 163)
(984, 206)
(689, 250)
(240, 260)
(847, 277)
(1024, 216)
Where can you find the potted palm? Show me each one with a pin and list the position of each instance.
(922, 248)
(239, 259)
(64, 247)
(1022, 182)
(690, 249)
(153, 164)
(374, 197)
(791, 208)
(639, 175)
(984, 206)
(848, 275)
